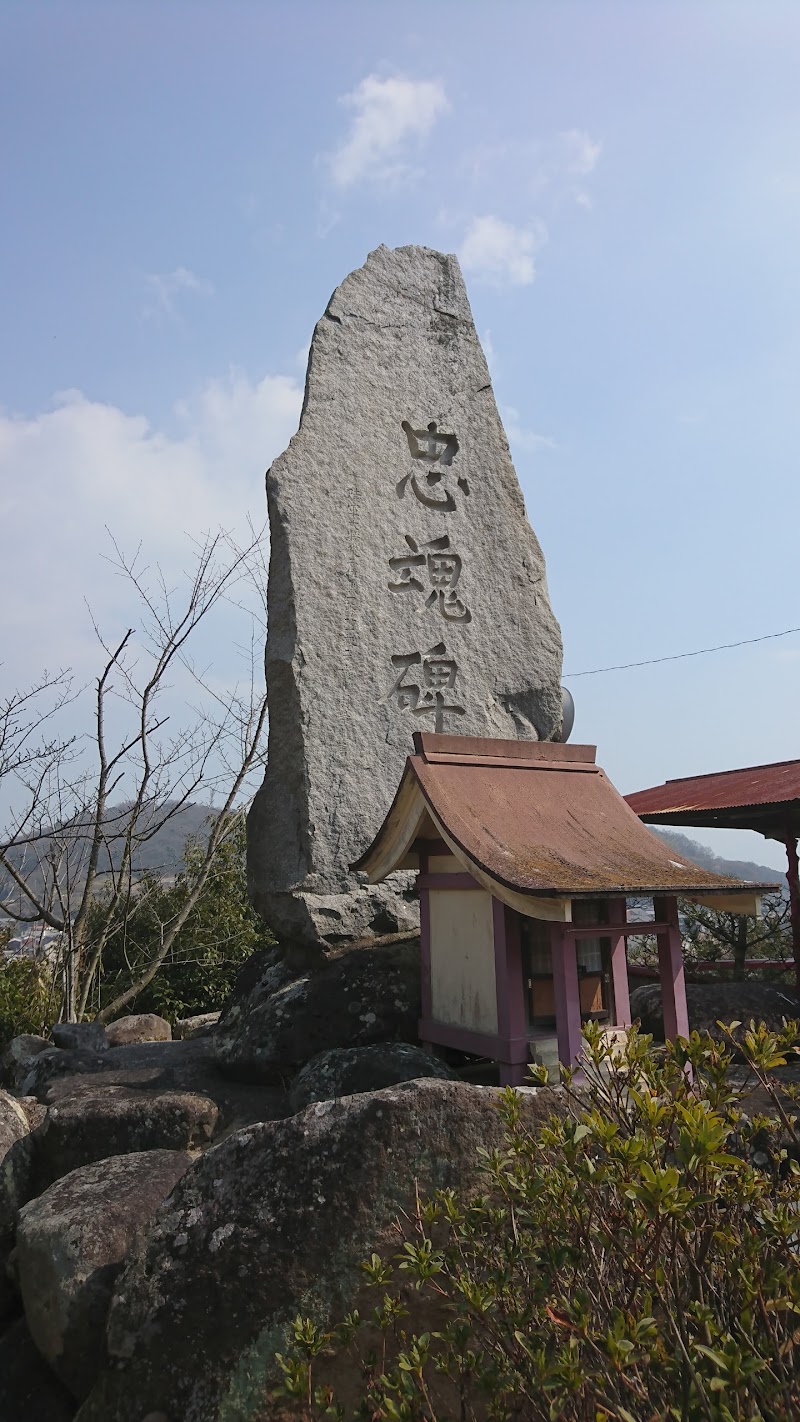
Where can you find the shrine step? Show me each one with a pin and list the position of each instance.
(544, 1051)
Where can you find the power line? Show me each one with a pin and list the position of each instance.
(678, 656)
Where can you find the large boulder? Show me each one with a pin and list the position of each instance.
(202, 1024)
(710, 1003)
(139, 1027)
(345, 1071)
(274, 1221)
(361, 996)
(34, 1073)
(29, 1391)
(102, 1121)
(15, 1187)
(80, 1036)
(71, 1243)
(16, 1059)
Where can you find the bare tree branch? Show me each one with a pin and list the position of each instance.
(66, 848)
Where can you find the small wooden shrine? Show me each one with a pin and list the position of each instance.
(526, 856)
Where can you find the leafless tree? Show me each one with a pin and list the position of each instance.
(709, 933)
(82, 806)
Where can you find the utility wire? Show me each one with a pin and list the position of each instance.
(678, 656)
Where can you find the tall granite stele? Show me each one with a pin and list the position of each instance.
(407, 589)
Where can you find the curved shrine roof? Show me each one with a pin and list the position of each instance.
(531, 817)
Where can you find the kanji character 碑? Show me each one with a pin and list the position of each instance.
(439, 674)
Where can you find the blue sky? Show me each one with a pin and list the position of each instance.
(185, 184)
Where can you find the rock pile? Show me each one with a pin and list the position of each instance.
(162, 1222)
(102, 1128)
(132, 1211)
(274, 1221)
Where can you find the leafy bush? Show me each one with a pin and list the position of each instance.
(637, 1260)
(28, 1000)
(219, 935)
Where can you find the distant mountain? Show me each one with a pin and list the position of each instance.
(716, 864)
(162, 854)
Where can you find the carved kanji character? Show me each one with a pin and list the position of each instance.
(403, 569)
(433, 448)
(407, 693)
(444, 571)
(439, 674)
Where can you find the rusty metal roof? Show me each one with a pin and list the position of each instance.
(536, 817)
(760, 797)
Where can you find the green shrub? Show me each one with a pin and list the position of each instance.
(636, 1260)
(220, 934)
(28, 1001)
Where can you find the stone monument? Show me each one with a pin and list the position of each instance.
(406, 590)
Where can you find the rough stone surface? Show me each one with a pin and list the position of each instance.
(360, 996)
(407, 589)
(15, 1187)
(29, 1392)
(35, 1112)
(36, 1072)
(709, 1003)
(200, 1026)
(80, 1036)
(139, 1027)
(102, 1120)
(20, 1050)
(71, 1243)
(345, 1071)
(276, 1221)
(157, 1067)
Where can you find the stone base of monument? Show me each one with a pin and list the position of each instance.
(370, 910)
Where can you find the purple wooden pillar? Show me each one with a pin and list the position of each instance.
(670, 963)
(567, 994)
(793, 880)
(512, 1028)
(425, 943)
(618, 914)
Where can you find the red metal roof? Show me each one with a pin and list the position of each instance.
(537, 817)
(761, 797)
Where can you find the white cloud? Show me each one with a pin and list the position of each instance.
(521, 438)
(165, 288)
(68, 473)
(498, 252)
(545, 169)
(388, 115)
(581, 152)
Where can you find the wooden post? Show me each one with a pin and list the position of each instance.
(425, 940)
(511, 1022)
(567, 995)
(670, 963)
(793, 880)
(618, 914)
